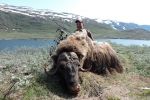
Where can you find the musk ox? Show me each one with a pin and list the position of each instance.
(79, 53)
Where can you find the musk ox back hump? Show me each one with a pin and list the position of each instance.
(73, 43)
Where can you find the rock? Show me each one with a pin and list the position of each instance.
(2, 67)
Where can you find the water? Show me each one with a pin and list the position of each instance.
(128, 42)
(38, 43)
(17, 43)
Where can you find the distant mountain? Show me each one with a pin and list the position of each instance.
(137, 30)
(42, 13)
(21, 18)
(29, 20)
(122, 26)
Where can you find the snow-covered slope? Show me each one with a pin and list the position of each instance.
(123, 26)
(43, 13)
(49, 14)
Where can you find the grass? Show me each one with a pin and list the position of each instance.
(21, 35)
(138, 58)
(145, 93)
(25, 66)
(113, 98)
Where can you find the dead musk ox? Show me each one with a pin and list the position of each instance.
(79, 52)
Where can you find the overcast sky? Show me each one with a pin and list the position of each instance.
(137, 11)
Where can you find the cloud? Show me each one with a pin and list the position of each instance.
(122, 10)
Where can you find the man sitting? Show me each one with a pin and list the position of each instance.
(81, 29)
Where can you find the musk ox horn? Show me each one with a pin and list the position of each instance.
(84, 70)
(54, 68)
(51, 72)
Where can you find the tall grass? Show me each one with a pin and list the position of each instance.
(137, 58)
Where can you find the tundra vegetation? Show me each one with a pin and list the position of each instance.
(22, 77)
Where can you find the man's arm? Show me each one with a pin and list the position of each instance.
(89, 34)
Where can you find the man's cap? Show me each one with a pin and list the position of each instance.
(78, 20)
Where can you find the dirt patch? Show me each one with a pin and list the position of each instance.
(116, 91)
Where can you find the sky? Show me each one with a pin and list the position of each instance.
(136, 11)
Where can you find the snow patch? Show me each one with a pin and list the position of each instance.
(118, 23)
(99, 20)
(108, 22)
(114, 27)
(124, 28)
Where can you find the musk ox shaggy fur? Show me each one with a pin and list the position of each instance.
(99, 58)
(80, 44)
(79, 52)
(104, 61)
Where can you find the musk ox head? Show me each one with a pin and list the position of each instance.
(67, 66)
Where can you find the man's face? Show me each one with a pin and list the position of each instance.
(79, 25)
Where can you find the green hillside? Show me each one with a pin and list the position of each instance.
(21, 23)
(13, 25)
(27, 24)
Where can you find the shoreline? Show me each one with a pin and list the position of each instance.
(54, 38)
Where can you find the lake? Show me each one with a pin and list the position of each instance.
(128, 42)
(16, 43)
(38, 43)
